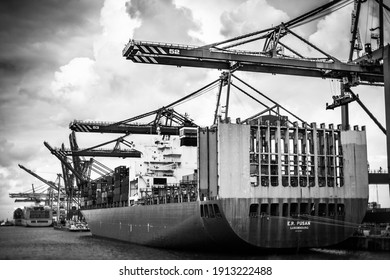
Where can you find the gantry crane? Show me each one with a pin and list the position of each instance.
(55, 191)
(81, 169)
(52, 185)
(33, 196)
(276, 57)
(271, 59)
(93, 152)
(166, 122)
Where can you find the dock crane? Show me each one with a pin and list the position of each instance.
(51, 184)
(81, 168)
(166, 122)
(224, 55)
(33, 196)
(276, 57)
(93, 152)
(55, 190)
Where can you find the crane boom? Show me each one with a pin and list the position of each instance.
(28, 195)
(159, 125)
(180, 55)
(105, 127)
(49, 183)
(61, 158)
(124, 153)
(271, 59)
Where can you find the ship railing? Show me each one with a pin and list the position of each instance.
(380, 170)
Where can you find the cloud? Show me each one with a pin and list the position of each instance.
(74, 80)
(333, 33)
(37, 37)
(107, 87)
(251, 15)
(12, 153)
(43, 32)
(297, 7)
(174, 23)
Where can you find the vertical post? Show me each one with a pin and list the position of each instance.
(355, 28)
(345, 117)
(208, 163)
(218, 100)
(278, 151)
(228, 96)
(58, 199)
(386, 77)
(50, 198)
(344, 111)
(381, 26)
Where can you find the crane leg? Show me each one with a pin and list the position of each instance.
(386, 76)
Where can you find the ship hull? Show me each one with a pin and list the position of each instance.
(164, 225)
(180, 225)
(18, 222)
(36, 222)
(293, 231)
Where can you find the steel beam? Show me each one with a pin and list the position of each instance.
(160, 53)
(102, 153)
(344, 111)
(83, 126)
(386, 74)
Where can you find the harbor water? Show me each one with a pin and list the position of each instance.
(20, 243)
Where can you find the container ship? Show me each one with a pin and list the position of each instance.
(264, 182)
(34, 216)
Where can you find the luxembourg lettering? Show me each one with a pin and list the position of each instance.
(298, 225)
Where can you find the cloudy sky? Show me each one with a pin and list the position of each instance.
(61, 60)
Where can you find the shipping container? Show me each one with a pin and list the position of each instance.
(117, 197)
(120, 169)
(124, 197)
(117, 191)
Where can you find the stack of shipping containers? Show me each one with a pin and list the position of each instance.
(107, 191)
(121, 186)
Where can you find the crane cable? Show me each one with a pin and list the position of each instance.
(324, 13)
(367, 16)
(303, 19)
(196, 95)
(387, 16)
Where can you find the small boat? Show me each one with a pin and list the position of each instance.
(72, 226)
